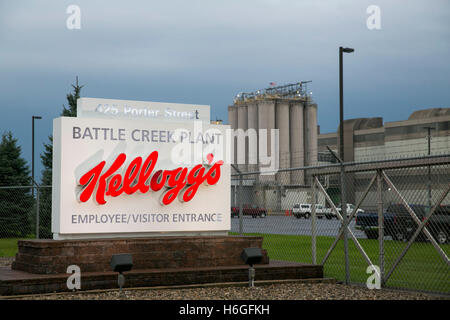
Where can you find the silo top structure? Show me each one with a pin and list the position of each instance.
(298, 90)
(288, 108)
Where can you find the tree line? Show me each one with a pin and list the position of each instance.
(17, 203)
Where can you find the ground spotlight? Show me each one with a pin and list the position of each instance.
(121, 263)
(251, 256)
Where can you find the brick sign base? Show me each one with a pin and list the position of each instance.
(54, 256)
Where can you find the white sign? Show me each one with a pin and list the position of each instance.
(128, 109)
(123, 177)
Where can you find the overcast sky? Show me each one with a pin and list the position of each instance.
(206, 51)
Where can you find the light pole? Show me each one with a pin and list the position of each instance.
(341, 99)
(32, 151)
(341, 155)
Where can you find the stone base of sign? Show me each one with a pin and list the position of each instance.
(41, 266)
(13, 282)
(55, 256)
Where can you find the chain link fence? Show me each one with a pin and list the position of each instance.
(25, 212)
(397, 218)
(397, 214)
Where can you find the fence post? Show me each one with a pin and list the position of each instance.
(313, 223)
(380, 225)
(345, 224)
(240, 205)
(37, 211)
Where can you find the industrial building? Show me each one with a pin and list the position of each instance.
(291, 110)
(425, 132)
(367, 139)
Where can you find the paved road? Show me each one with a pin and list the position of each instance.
(291, 225)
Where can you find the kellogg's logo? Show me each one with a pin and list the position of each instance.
(139, 177)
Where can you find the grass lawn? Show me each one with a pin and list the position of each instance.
(421, 268)
(8, 247)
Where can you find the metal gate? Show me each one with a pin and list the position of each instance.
(396, 228)
(409, 220)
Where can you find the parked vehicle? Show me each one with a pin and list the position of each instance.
(350, 208)
(305, 210)
(439, 224)
(399, 224)
(302, 210)
(249, 211)
(322, 211)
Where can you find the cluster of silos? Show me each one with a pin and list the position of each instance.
(296, 121)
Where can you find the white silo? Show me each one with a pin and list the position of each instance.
(282, 123)
(297, 141)
(233, 122)
(243, 124)
(252, 112)
(266, 120)
(312, 134)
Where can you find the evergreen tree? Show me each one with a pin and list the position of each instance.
(15, 203)
(45, 199)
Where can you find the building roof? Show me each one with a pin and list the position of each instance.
(364, 123)
(429, 113)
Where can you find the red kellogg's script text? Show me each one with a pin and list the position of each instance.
(139, 177)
